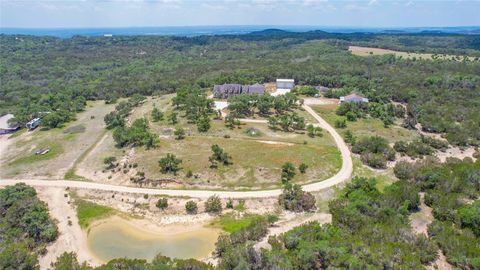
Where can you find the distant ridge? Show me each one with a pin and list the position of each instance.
(236, 30)
(270, 31)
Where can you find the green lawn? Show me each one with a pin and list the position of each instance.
(28, 158)
(87, 212)
(231, 223)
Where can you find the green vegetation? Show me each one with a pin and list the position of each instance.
(262, 105)
(174, 63)
(306, 90)
(169, 164)
(374, 151)
(30, 158)
(366, 126)
(313, 131)
(421, 147)
(219, 155)
(448, 187)
(231, 223)
(87, 212)
(157, 115)
(253, 160)
(288, 172)
(136, 135)
(179, 133)
(363, 218)
(162, 203)
(69, 261)
(26, 227)
(213, 205)
(191, 207)
(293, 198)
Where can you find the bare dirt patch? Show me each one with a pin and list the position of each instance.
(71, 237)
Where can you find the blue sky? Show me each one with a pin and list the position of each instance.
(131, 13)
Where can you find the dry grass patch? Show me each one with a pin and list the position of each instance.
(367, 51)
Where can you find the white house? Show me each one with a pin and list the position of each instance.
(284, 86)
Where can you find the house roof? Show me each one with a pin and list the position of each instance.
(239, 89)
(256, 89)
(353, 97)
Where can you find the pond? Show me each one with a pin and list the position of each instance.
(118, 238)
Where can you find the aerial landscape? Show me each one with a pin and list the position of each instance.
(166, 134)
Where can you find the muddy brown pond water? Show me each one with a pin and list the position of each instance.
(116, 237)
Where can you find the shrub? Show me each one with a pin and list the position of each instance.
(303, 168)
(403, 170)
(288, 172)
(349, 138)
(169, 164)
(470, 217)
(213, 204)
(179, 133)
(203, 124)
(219, 155)
(189, 174)
(191, 207)
(162, 203)
(229, 204)
(340, 123)
(295, 199)
(374, 160)
(109, 162)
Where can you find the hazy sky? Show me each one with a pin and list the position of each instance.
(121, 13)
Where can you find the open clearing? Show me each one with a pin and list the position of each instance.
(367, 126)
(367, 51)
(66, 145)
(257, 154)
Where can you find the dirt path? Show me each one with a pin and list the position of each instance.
(71, 237)
(419, 223)
(342, 175)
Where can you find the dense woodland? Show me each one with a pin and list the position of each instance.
(25, 228)
(46, 74)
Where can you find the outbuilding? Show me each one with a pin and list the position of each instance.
(285, 84)
(353, 98)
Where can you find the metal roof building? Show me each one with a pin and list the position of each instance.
(285, 84)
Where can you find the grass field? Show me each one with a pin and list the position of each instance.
(365, 127)
(367, 51)
(257, 160)
(231, 223)
(87, 212)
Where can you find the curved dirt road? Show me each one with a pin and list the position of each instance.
(342, 175)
